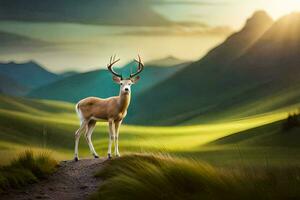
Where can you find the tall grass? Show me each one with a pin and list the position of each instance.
(27, 168)
(163, 177)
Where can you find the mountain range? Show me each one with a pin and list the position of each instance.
(99, 82)
(19, 78)
(255, 70)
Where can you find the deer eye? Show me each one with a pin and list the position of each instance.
(121, 83)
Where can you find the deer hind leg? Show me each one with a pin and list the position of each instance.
(111, 136)
(88, 137)
(77, 137)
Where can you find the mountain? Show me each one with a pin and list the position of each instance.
(29, 75)
(236, 44)
(280, 45)
(99, 83)
(255, 70)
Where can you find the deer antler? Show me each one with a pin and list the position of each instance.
(112, 61)
(140, 67)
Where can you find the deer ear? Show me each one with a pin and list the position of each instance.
(116, 79)
(135, 79)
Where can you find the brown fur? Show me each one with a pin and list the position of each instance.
(113, 108)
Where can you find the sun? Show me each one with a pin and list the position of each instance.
(278, 8)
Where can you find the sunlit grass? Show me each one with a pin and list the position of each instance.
(54, 129)
(27, 167)
(191, 137)
(150, 176)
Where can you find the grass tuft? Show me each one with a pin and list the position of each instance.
(27, 168)
(164, 177)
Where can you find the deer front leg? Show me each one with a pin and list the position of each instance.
(77, 137)
(117, 126)
(111, 136)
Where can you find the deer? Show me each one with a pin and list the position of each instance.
(112, 110)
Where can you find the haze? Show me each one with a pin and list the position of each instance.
(78, 36)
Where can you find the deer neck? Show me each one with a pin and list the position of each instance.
(124, 101)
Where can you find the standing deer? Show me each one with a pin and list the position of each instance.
(113, 110)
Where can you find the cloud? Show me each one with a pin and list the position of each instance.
(189, 2)
(219, 30)
(191, 24)
(207, 31)
(13, 43)
(102, 12)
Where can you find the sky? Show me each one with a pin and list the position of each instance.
(81, 35)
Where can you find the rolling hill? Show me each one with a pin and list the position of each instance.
(250, 144)
(255, 70)
(99, 83)
(50, 125)
(270, 135)
(29, 74)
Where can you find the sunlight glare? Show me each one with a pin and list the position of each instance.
(278, 8)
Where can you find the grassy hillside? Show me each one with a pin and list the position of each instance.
(163, 177)
(256, 65)
(270, 135)
(50, 125)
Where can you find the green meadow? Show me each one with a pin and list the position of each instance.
(50, 125)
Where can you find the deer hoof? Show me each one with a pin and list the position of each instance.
(76, 159)
(96, 156)
(109, 156)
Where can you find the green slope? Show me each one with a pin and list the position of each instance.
(270, 135)
(248, 103)
(232, 77)
(50, 125)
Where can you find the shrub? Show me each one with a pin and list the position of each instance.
(26, 169)
(291, 122)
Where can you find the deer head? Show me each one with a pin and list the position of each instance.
(125, 84)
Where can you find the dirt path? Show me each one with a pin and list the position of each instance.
(73, 180)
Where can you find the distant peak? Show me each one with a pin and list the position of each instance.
(259, 18)
(11, 63)
(31, 62)
(261, 14)
(170, 57)
(166, 61)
